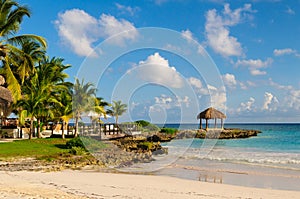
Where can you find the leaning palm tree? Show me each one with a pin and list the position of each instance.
(11, 17)
(118, 109)
(83, 100)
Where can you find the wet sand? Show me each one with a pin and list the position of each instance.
(91, 184)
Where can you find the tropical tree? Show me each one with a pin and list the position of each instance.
(64, 109)
(11, 17)
(118, 109)
(41, 92)
(83, 100)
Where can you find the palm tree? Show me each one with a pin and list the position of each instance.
(41, 91)
(118, 109)
(83, 100)
(11, 17)
(64, 109)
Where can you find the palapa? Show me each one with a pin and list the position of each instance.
(211, 113)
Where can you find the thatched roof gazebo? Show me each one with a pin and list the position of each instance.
(211, 113)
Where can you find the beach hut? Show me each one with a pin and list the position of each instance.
(211, 113)
(5, 100)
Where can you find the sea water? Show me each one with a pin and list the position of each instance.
(271, 159)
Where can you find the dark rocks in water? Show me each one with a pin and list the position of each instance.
(160, 137)
(217, 134)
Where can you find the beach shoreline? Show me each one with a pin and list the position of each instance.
(91, 184)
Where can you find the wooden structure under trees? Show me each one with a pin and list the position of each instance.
(5, 100)
(211, 113)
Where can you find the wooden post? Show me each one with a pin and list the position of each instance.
(206, 124)
(222, 125)
(200, 126)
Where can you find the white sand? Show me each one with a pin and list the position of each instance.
(85, 184)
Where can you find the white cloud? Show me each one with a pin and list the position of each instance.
(285, 51)
(79, 30)
(270, 102)
(188, 35)
(197, 85)
(110, 26)
(255, 65)
(229, 80)
(218, 33)
(127, 9)
(158, 70)
(167, 102)
(247, 106)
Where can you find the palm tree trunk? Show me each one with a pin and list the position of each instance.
(76, 126)
(63, 130)
(39, 128)
(31, 128)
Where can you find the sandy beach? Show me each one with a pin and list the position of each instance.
(90, 184)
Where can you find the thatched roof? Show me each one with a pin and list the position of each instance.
(211, 113)
(5, 94)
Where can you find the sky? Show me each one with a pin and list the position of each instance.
(171, 59)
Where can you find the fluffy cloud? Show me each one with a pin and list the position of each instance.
(247, 106)
(285, 51)
(156, 69)
(187, 34)
(79, 30)
(110, 26)
(255, 65)
(229, 80)
(197, 85)
(270, 102)
(167, 102)
(127, 9)
(218, 33)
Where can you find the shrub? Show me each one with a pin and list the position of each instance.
(77, 150)
(171, 131)
(145, 145)
(75, 142)
(147, 126)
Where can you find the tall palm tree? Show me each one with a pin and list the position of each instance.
(64, 109)
(118, 109)
(41, 90)
(83, 100)
(11, 17)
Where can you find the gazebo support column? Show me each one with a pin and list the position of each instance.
(200, 125)
(206, 127)
(222, 124)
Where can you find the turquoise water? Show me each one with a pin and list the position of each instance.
(278, 145)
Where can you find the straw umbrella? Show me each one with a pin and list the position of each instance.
(211, 113)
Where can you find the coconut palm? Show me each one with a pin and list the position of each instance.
(118, 109)
(64, 109)
(11, 17)
(83, 100)
(41, 91)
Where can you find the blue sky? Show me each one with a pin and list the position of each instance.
(246, 54)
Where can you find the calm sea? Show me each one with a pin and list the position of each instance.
(273, 155)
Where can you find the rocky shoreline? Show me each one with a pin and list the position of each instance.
(122, 152)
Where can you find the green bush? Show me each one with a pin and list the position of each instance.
(75, 142)
(77, 150)
(147, 126)
(145, 145)
(171, 131)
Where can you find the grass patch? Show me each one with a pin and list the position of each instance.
(32, 148)
(45, 148)
(171, 131)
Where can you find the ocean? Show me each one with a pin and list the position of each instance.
(269, 160)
